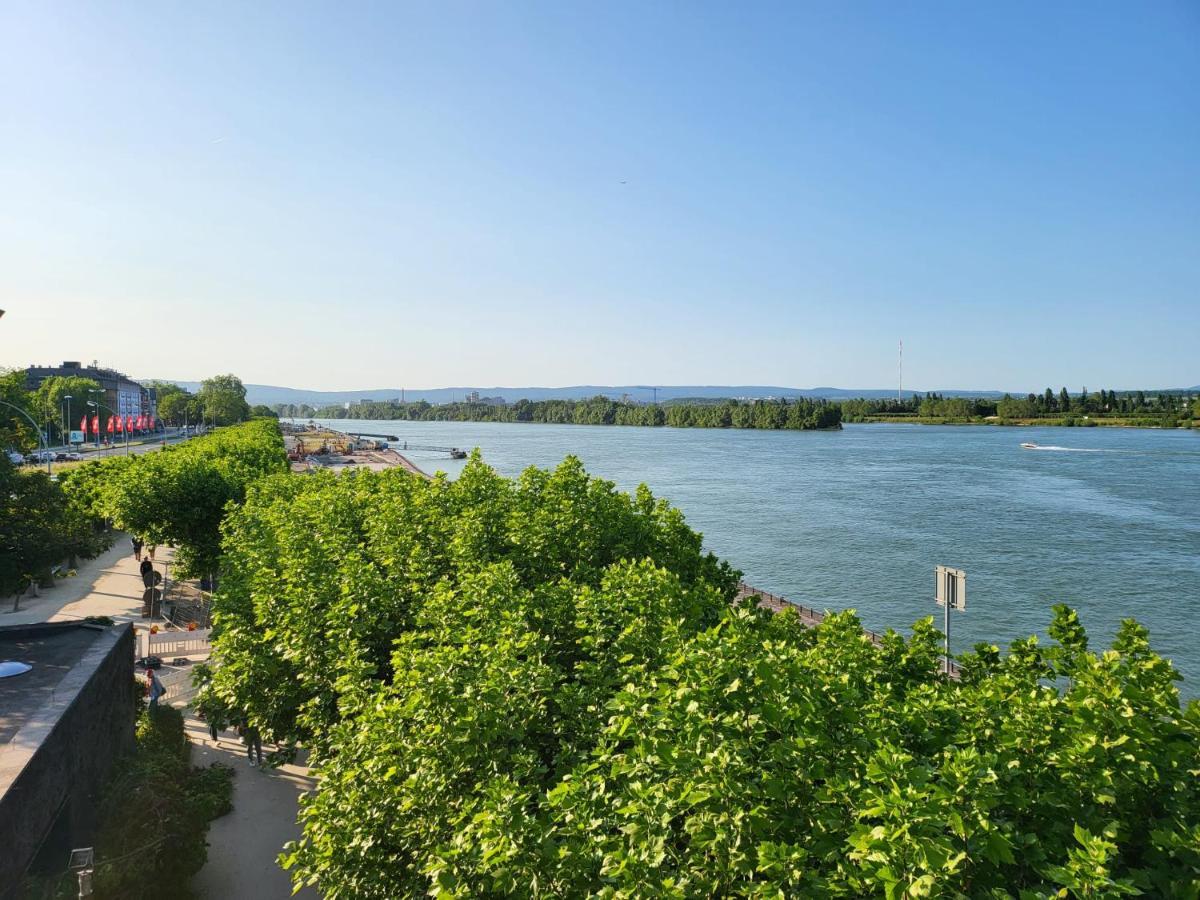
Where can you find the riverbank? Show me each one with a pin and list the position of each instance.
(313, 448)
(1082, 422)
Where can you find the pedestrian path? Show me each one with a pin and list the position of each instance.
(109, 585)
(243, 845)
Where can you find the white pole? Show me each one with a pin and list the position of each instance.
(949, 581)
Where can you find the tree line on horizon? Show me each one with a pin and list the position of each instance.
(796, 414)
(1133, 407)
(1161, 408)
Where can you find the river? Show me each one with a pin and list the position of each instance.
(1104, 519)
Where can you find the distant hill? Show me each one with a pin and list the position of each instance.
(270, 394)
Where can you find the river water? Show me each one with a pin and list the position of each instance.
(1104, 519)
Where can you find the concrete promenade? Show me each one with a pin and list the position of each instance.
(108, 585)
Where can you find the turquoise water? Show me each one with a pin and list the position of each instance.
(1108, 522)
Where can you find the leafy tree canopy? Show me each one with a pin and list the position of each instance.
(223, 399)
(538, 688)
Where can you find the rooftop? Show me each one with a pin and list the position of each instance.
(53, 649)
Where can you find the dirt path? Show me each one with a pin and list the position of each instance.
(243, 845)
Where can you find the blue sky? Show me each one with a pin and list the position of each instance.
(357, 195)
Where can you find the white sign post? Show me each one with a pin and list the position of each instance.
(950, 592)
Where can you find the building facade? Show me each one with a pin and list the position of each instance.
(122, 395)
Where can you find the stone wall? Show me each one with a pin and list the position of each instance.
(67, 750)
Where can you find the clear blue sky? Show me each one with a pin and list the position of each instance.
(374, 195)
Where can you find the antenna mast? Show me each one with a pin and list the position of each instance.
(900, 372)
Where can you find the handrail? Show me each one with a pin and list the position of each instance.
(814, 617)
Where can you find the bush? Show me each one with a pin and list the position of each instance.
(154, 814)
(211, 790)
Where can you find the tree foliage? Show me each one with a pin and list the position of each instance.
(42, 523)
(179, 495)
(539, 688)
(222, 400)
(50, 404)
(800, 414)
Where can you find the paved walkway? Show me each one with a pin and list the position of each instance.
(108, 585)
(243, 845)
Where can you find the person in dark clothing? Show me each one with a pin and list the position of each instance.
(137, 547)
(253, 744)
(147, 570)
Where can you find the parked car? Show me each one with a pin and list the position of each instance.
(15, 458)
(41, 456)
(71, 456)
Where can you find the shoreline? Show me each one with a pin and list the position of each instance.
(1025, 423)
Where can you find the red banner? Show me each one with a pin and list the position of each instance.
(152, 423)
(112, 424)
(129, 423)
(96, 425)
(83, 424)
(141, 423)
(120, 426)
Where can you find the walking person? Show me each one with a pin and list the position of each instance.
(156, 689)
(147, 571)
(137, 547)
(253, 744)
(150, 550)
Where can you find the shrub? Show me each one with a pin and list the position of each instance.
(155, 812)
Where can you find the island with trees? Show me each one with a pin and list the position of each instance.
(1085, 409)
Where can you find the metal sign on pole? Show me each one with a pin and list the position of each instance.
(950, 592)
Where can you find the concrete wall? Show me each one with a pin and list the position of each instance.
(59, 761)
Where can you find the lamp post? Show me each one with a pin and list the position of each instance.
(91, 403)
(36, 430)
(111, 412)
(67, 421)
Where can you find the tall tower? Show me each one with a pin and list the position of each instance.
(900, 373)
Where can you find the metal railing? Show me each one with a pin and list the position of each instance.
(809, 616)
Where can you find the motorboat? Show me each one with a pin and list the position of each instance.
(1029, 445)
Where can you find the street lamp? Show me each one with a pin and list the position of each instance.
(67, 420)
(91, 403)
(111, 413)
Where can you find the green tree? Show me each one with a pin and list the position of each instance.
(179, 495)
(223, 400)
(38, 528)
(538, 687)
(16, 430)
(1064, 401)
(50, 404)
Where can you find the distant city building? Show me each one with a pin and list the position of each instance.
(473, 397)
(122, 394)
